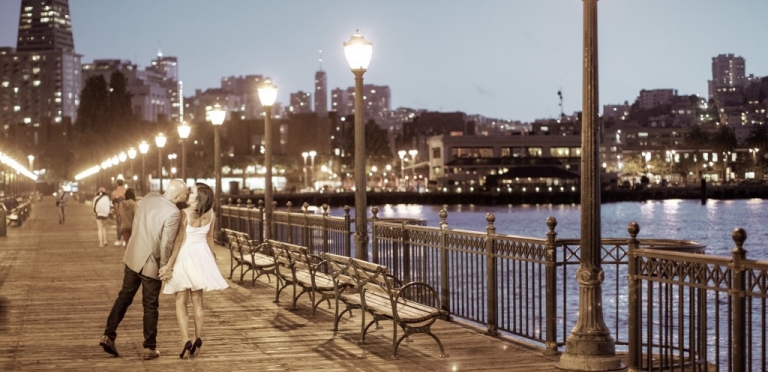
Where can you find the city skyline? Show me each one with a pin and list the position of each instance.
(497, 59)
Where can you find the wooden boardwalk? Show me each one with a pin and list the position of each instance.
(57, 287)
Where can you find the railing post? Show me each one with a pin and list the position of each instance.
(492, 304)
(305, 239)
(739, 302)
(551, 289)
(635, 332)
(406, 252)
(272, 226)
(374, 238)
(238, 204)
(260, 221)
(229, 214)
(445, 289)
(347, 232)
(290, 223)
(248, 222)
(325, 228)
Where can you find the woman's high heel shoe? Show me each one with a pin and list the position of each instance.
(198, 344)
(187, 346)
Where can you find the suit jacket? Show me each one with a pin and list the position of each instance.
(154, 228)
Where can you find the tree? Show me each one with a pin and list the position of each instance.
(94, 105)
(120, 110)
(758, 139)
(697, 138)
(724, 142)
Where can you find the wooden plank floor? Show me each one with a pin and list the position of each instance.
(57, 287)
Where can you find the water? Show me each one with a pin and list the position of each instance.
(710, 224)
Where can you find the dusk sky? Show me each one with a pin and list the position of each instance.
(498, 58)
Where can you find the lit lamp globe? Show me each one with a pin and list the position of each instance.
(160, 140)
(267, 93)
(123, 156)
(132, 153)
(358, 52)
(184, 130)
(144, 147)
(217, 115)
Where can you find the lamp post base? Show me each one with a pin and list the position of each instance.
(590, 352)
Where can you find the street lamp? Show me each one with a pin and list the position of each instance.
(32, 162)
(305, 154)
(358, 53)
(312, 155)
(401, 154)
(413, 154)
(143, 148)
(160, 142)
(590, 346)
(217, 115)
(267, 96)
(184, 130)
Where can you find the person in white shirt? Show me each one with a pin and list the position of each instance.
(101, 207)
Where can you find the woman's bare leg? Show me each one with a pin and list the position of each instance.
(182, 316)
(197, 304)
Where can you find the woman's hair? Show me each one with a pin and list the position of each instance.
(204, 198)
(130, 194)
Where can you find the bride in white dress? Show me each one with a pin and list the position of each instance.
(192, 264)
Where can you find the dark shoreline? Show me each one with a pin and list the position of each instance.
(514, 198)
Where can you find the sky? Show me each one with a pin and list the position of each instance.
(498, 58)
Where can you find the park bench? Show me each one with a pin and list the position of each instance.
(413, 307)
(248, 255)
(299, 269)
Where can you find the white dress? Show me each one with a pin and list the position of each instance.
(195, 268)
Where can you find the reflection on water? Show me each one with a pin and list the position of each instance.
(710, 224)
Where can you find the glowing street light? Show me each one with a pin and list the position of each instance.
(267, 96)
(217, 115)
(358, 52)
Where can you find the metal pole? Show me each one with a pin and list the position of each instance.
(184, 159)
(361, 226)
(160, 167)
(268, 174)
(590, 346)
(143, 174)
(217, 173)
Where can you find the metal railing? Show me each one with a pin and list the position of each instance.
(686, 309)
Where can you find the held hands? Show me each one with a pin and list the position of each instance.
(165, 273)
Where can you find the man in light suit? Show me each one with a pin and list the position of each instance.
(154, 228)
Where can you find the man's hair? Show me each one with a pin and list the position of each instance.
(120, 181)
(130, 194)
(204, 198)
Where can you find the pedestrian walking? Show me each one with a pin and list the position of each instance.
(117, 196)
(127, 211)
(62, 197)
(101, 210)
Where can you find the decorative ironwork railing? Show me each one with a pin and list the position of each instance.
(668, 305)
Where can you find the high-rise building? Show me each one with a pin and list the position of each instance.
(40, 80)
(339, 101)
(376, 99)
(168, 67)
(650, 98)
(728, 71)
(300, 103)
(321, 93)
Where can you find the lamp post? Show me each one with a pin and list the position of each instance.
(413, 154)
(267, 96)
(172, 164)
(217, 115)
(184, 130)
(401, 154)
(305, 154)
(590, 345)
(358, 53)
(312, 155)
(143, 148)
(123, 157)
(160, 142)
(132, 155)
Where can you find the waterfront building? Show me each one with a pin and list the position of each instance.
(651, 98)
(616, 112)
(40, 79)
(168, 67)
(339, 102)
(376, 99)
(246, 88)
(465, 161)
